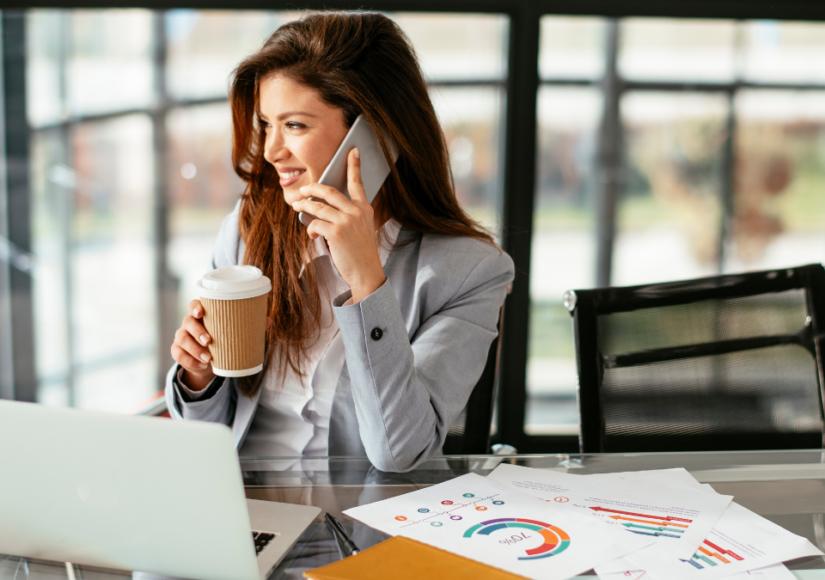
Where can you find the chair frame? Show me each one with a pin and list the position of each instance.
(475, 439)
(586, 305)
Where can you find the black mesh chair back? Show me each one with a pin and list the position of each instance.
(724, 363)
(470, 432)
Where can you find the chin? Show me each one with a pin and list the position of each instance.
(291, 195)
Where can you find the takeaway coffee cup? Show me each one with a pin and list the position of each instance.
(234, 313)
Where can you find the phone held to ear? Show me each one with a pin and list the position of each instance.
(374, 167)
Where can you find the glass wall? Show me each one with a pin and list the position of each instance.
(671, 208)
(571, 62)
(779, 195)
(721, 133)
(563, 249)
(463, 57)
(92, 206)
(722, 168)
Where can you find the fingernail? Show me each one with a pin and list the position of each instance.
(196, 311)
(205, 357)
(204, 338)
(203, 365)
(304, 189)
(295, 205)
(357, 153)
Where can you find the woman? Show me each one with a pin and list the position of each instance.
(381, 316)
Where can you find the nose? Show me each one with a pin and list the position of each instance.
(275, 147)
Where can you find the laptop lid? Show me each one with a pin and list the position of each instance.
(134, 493)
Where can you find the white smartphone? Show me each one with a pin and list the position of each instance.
(374, 167)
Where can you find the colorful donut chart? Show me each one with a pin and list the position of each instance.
(556, 540)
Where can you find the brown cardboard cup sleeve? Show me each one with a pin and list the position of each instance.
(234, 300)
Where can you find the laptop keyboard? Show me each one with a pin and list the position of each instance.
(262, 540)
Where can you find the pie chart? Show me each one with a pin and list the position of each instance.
(555, 539)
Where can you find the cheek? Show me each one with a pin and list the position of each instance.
(317, 155)
(315, 161)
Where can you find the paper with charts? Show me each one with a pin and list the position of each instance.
(677, 519)
(671, 477)
(484, 521)
(740, 541)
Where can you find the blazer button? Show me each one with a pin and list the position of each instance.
(376, 333)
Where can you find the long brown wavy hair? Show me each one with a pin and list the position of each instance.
(362, 63)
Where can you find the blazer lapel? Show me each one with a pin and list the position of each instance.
(244, 411)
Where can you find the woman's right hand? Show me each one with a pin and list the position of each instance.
(189, 349)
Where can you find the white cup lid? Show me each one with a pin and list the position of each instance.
(233, 283)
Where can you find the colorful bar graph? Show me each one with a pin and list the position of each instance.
(668, 518)
(647, 522)
(730, 553)
(714, 554)
(712, 559)
(654, 528)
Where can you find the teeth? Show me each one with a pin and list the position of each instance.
(291, 174)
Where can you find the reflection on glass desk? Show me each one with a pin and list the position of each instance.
(787, 487)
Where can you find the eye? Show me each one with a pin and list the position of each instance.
(294, 125)
(263, 124)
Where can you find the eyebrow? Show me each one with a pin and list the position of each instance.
(283, 116)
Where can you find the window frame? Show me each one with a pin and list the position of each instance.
(519, 128)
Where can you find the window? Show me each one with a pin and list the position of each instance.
(721, 168)
(658, 149)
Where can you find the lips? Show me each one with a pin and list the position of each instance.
(289, 175)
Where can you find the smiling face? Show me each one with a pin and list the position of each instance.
(302, 132)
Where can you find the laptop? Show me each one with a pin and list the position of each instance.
(135, 493)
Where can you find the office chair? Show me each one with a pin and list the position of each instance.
(722, 363)
(470, 432)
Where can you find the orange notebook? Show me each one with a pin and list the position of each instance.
(405, 559)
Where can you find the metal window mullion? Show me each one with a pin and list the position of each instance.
(519, 177)
(16, 226)
(166, 285)
(66, 209)
(664, 86)
(609, 170)
(96, 118)
(717, 87)
(727, 192)
(728, 180)
(6, 339)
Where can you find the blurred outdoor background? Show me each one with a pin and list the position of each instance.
(720, 135)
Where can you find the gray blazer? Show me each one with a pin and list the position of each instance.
(398, 394)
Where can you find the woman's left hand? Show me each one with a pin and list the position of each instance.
(348, 227)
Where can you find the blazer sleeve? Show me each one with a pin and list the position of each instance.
(408, 391)
(218, 405)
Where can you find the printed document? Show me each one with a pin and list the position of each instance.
(740, 541)
(677, 519)
(485, 521)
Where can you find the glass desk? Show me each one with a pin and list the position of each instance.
(787, 487)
